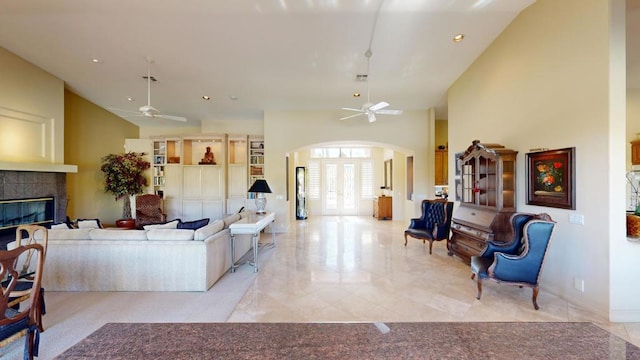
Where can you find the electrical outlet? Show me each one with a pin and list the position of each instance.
(578, 284)
(576, 219)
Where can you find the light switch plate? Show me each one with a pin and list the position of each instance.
(576, 219)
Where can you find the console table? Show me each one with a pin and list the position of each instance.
(251, 225)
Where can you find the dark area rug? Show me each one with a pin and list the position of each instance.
(438, 340)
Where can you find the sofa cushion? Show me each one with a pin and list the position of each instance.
(230, 220)
(117, 234)
(168, 225)
(65, 234)
(208, 230)
(170, 234)
(88, 223)
(63, 226)
(193, 225)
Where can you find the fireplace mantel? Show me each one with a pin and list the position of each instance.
(39, 167)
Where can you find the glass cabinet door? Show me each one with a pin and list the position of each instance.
(488, 177)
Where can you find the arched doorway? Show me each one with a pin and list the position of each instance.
(344, 178)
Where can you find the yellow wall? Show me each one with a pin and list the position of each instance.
(442, 133)
(546, 82)
(91, 133)
(27, 88)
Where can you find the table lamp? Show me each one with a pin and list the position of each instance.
(260, 187)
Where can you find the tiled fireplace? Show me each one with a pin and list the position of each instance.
(33, 184)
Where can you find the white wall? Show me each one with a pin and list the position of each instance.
(287, 131)
(545, 83)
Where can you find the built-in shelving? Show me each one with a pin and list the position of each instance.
(256, 160)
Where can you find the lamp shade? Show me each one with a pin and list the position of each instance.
(260, 186)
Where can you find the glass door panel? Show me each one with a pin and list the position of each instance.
(339, 188)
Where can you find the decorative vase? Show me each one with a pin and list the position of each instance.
(126, 223)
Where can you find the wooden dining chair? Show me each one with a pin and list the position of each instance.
(16, 323)
(35, 234)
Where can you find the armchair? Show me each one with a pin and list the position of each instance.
(16, 323)
(433, 225)
(523, 266)
(511, 247)
(149, 210)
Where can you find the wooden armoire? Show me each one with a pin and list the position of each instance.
(487, 194)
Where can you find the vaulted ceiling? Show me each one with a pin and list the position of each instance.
(254, 55)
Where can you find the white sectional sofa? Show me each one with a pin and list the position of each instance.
(141, 260)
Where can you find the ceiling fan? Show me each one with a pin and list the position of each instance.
(370, 109)
(148, 110)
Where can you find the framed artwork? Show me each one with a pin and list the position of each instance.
(550, 178)
(388, 174)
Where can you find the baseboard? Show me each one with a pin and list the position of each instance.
(624, 316)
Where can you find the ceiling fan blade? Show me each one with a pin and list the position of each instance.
(389, 112)
(378, 106)
(123, 110)
(371, 116)
(171, 117)
(352, 109)
(350, 116)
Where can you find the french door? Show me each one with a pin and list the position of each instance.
(340, 191)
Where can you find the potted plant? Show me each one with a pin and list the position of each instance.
(124, 177)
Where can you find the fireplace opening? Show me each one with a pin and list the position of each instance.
(40, 211)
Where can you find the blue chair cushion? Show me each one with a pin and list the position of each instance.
(435, 214)
(11, 329)
(193, 225)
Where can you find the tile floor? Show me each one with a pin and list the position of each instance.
(325, 269)
(358, 269)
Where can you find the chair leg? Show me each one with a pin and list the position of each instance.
(535, 298)
(405, 239)
(473, 276)
(430, 246)
(479, 283)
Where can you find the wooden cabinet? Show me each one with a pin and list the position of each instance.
(635, 152)
(441, 167)
(202, 192)
(382, 207)
(488, 198)
(195, 184)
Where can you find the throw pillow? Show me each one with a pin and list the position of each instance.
(89, 224)
(63, 226)
(193, 225)
(173, 224)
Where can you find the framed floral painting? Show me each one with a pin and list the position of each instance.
(550, 178)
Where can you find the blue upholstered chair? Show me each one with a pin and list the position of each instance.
(433, 225)
(21, 322)
(511, 246)
(522, 264)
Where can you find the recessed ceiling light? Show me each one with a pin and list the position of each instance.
(233, 97)
(130, 98)
(356, 94)
(205, 97)
(95, 60)
(458, 38)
